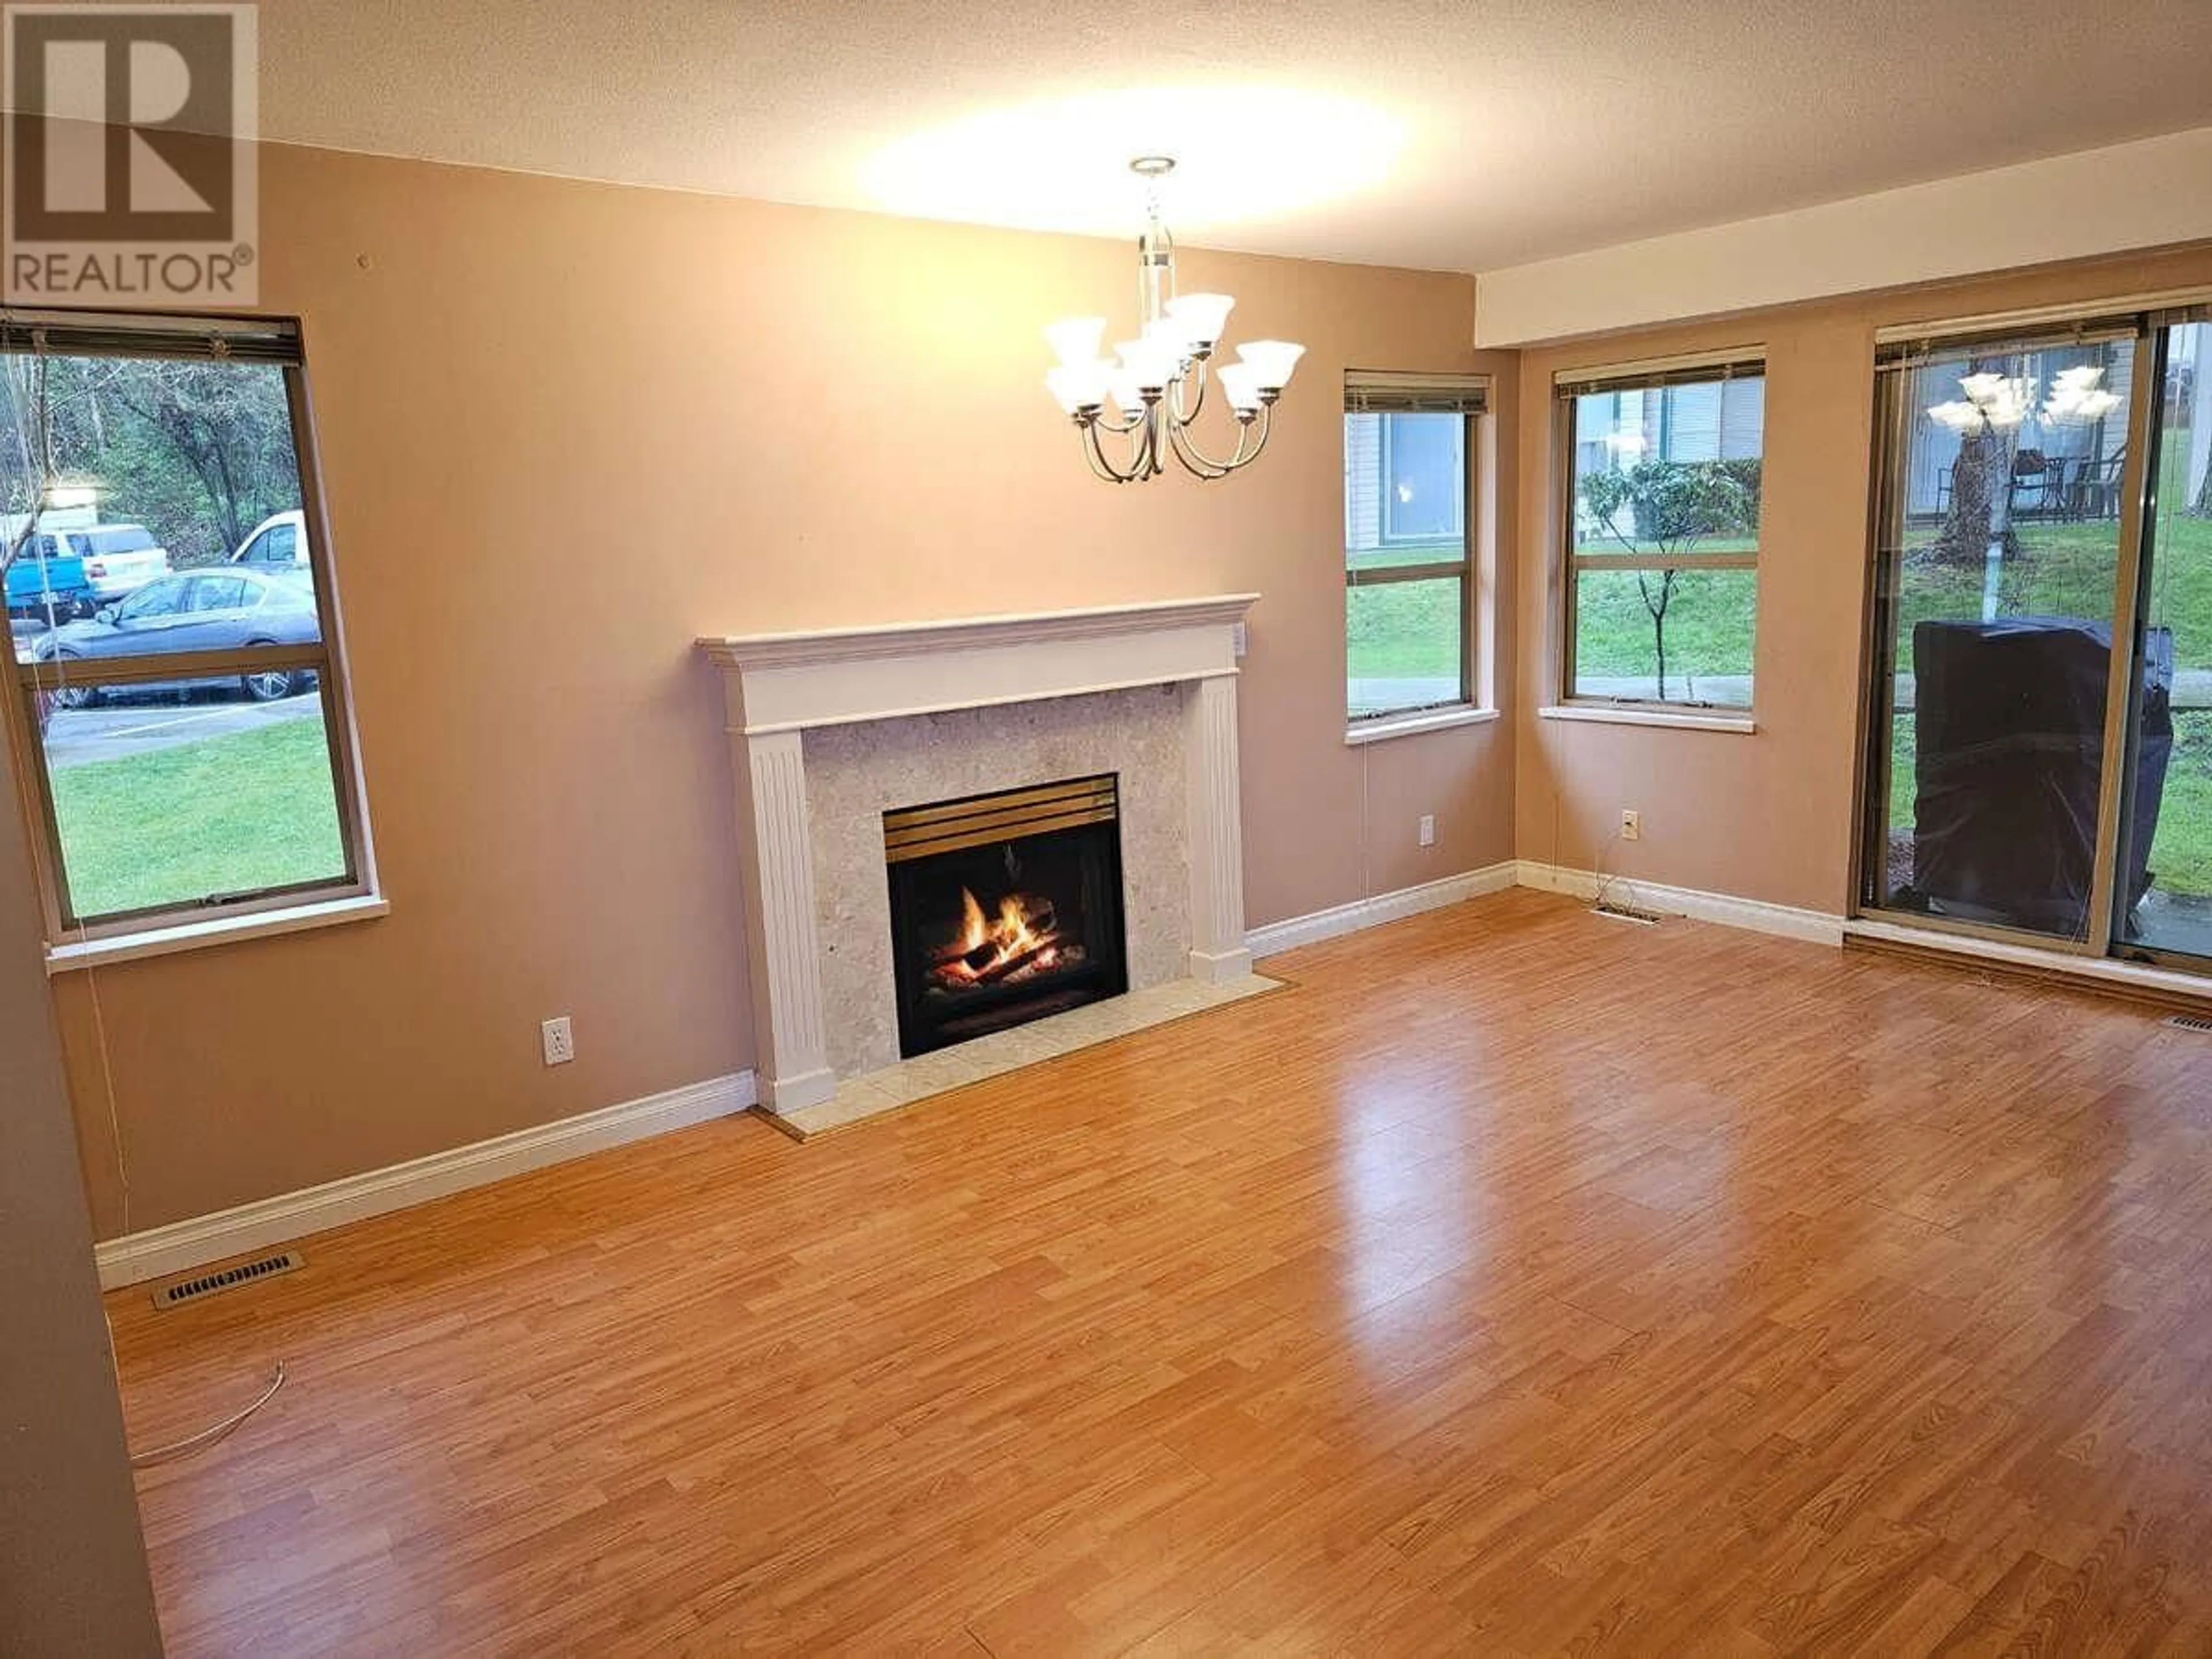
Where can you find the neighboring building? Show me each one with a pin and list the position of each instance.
(1404, 478)
(1705, 421)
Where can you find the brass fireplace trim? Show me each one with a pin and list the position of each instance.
(919, 832)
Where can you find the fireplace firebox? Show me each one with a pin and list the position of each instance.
(1005, 908)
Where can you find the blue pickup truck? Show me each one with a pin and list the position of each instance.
(45, 578)
(67, 574)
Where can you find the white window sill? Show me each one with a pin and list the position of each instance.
(1685, 719)
(199, 935)
(1425, 720)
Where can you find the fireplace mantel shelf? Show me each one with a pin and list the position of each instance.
(965, 633)
(838, 676)
(779, 686)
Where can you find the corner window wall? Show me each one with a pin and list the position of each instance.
(168, 595)
(1408, 559)
(1661, 513)
(2041, 704)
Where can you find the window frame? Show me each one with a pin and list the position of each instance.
(214, 918)
(1384, 394)
(1569, 387)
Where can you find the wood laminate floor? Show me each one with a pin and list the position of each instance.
(1517, 1283)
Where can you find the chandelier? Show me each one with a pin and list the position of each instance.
(1158, 386)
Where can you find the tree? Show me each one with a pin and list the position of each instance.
(1981, 480)
(205, 451)
(199, 452)
(1980, 508)
(1672, 506)
(27, 465)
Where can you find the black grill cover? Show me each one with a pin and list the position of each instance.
(2009, 736)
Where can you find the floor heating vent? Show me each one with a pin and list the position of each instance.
(224, 1279)
(2190, 1021)
(1613, 912)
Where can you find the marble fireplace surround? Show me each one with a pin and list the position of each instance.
(828, 728)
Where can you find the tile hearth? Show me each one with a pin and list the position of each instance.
(909, 1082)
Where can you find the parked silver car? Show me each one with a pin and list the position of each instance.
(218, 609)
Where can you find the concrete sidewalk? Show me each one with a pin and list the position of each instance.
(113, 731)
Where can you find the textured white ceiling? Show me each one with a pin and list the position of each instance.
(1457, 137)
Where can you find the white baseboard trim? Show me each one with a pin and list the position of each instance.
(160, 1251)
(799, 1091)
(1755, 915)
(1288, 935)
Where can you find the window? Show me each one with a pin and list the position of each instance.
(277, 545)
(1408, 560)
(187, 714)
(1662, 475)
(219, 593)
(130, 539)
(156, 599)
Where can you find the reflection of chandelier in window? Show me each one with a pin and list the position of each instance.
(2077, 397)
(1999, 403)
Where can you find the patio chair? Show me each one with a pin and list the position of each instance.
(2093, 491)
(2036, 485)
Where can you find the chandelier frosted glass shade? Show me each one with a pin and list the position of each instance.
(1076, 340)
(1201, 316)
(1079, 386)
(1272, 360)
(1157, 382)
(1240, 384)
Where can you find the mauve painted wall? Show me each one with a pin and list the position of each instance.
(72, 1565)
(1769, 815)
(566, 428)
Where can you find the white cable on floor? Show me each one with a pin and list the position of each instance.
(210, 1436)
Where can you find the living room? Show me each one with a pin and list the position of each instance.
(883, 831)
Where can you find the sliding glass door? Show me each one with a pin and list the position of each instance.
(2167, 906)
(2038, 750)
(2003, 538)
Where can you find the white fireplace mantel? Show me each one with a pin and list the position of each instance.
(779, 685)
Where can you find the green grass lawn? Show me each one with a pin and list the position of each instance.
(1711, 620)
(223, 815)
(2181, 855)
(1404, 630)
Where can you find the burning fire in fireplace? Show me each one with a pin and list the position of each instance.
(1023, 938)
(1005, 908)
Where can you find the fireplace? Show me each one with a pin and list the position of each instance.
(1005, 908)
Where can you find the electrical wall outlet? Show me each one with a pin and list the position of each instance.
(1428, 830)
(559, 1041)
(1631, 825)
